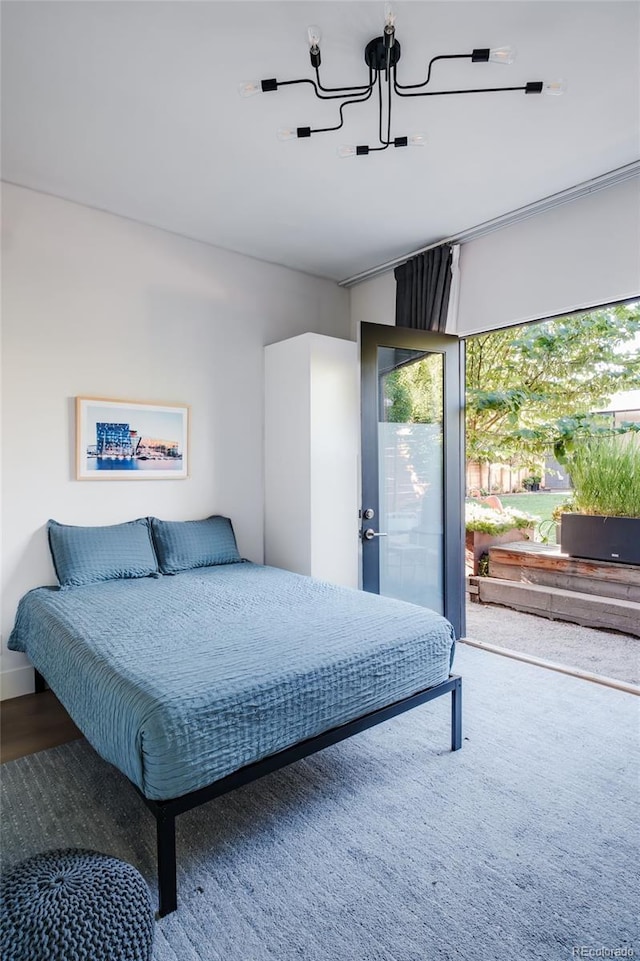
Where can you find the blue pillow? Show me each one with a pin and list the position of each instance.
(85, 555)
(183, 545)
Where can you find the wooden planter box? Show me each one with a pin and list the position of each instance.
(601, 538)
(478, 543)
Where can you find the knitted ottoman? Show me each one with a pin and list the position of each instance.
(75, 905)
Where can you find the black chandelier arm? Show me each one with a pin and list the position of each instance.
(380, 111)
(346, 89)
(446, 93)
(386, 142)
(333, 96)
(320, 96)
(342, 106)
(444, 56)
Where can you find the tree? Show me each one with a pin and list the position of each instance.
(413, 392)
(529, 386)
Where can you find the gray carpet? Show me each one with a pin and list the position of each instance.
(387, 847)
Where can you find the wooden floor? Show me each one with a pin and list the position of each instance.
(33, 723)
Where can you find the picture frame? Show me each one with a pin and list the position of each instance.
(131, 440)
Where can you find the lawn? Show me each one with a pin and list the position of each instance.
(541, 504)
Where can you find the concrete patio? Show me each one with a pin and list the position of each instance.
(600, 652)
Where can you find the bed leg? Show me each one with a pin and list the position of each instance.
(167, 885)
(456, 715)
(41, 684)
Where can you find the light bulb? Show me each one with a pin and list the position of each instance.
(248, 89)
(502, 54)
(417, 140)
(346, 150)
(314, 35)
(555, 88)
(287, 133)
(389, 15)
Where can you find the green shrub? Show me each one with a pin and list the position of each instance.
(605, 472)
(486, 520)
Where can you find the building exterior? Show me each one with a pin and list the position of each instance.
(157, 447)
(114, 439)
(119, 440)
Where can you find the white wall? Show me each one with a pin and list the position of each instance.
(579, 255)
(373, 302)
(574, 257)
(96, 305)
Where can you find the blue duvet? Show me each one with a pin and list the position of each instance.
(178, 681)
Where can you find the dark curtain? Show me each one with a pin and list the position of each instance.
(422, 292)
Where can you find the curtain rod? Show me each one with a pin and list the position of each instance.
(609, 179)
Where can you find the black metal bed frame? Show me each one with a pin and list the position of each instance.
(165, 812)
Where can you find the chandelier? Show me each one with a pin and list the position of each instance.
(381, 56)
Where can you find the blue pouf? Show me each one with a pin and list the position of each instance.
(74, 905)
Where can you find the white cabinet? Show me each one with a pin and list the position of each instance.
(312, 443)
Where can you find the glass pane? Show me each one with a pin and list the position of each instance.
(410, 452)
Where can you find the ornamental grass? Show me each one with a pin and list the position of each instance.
(605, 472)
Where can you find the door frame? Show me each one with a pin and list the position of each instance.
(452, 348)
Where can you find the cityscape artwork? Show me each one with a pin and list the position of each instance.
(126, 440)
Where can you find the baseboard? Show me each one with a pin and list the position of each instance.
(16, 682)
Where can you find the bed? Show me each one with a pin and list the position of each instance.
(204, 679)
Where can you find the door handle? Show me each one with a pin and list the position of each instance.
(369, 534)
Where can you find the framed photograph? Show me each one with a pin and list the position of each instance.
(127, 440)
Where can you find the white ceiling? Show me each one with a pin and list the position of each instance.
(132, 107)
